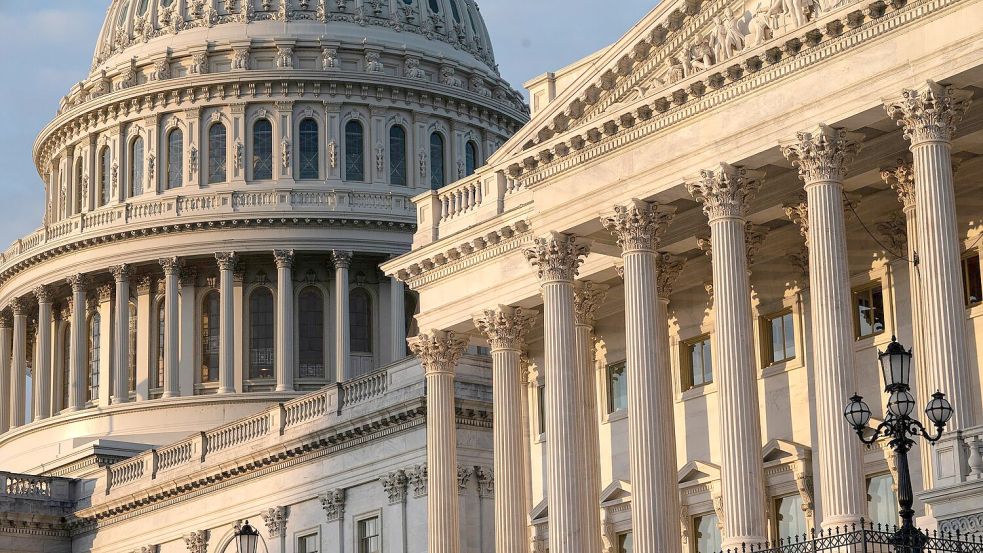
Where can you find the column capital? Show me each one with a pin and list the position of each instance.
(226, 260)
(104, 292)
(284, 258)
(587, 298)
(145, 284)
(505, 327)
(901, 177)
(5, 320)
(754, 236)
(438, 350)
(342, 259)
(120, 272)
(668, 267)
(639, 225)
(43, 293)
(822, 154)
(725, 190)
(170, 265)
(77, 282)
(930, 112)
(798, 213)
(187, 275)
(557, 256)
(18, 306)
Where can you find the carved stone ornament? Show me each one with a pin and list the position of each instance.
(197, 541)
(822, 154)
(285, 154)
(638, 225)
(380, 157)
(120, 272)
(587, 298)
(43, 293)
(333, 503)
(667, 268)
(239, 158)
(395, 484)
(342, 259)
(725, 191)
(894, 231)
(754, 236)
(929, 113)
(486, 480)
(284, 258)
(438, 350)
(901, 178)
(329, 59)
(798, 213)
(417, 477)
(276, 520)
(226, 260)
(557, 257)
(505, 327)
(463, 477)
(333, 154)
(170, 265)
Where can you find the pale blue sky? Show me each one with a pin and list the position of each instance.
(50, 44)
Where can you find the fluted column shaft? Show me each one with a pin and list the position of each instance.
(43, 369)
(397, 314)
(6, 338)
(284, 329)
(342, 261)
(226, 323)
(172, 331)
(121, 338)
(18, 405)
(77, 345)
(587, 391)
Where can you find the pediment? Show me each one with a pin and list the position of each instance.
(540, 512)
(698, 471)
(784, 451)
(616, 491)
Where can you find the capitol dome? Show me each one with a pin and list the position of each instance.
(220, 191)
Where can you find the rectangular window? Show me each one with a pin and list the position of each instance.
(972, 280)
(790, 519)
(541, 407)
(882, 503)
(617, 388)
(778, 335)
(369, 536)
(697, 362)
(624, 542)
(307, 544)
(706, 533)
(868, 310)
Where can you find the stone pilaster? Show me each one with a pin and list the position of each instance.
(43, 375)
(342, 261)
(172, 274)
(505, 329)
(929, 116)
(18, 404)
(725, 192)
(284, 320)
(655, 492)
(821, 157)
(6, 343)
(439, 352)
(226, 354)
(121, 338)
(397, 314)
(557, 258)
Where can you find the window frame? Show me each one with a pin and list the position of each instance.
(966, 260)
(349, 141)
(403, 156)
(356, 530)
(435, 182)
(93, 355)
(105, 160)
(214, 332)
(869, 288)
(168, 179)
(316, 157)
(248, 374)
(216, 154)
(254, 163)
(370, 315)
(686, 363)
(609, 405)
(472, 158)
(776, 502)
(694, 526)
(324, 331)
(158, 344)
(138, 172)
(767, 337)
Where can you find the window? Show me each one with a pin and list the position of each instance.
(131, 360)
(697, 362)
(307, 544)
(470, 158)
(360, 309)
(790, 520)
(217, 154)
(455, 12)
(175, 159)
(262, 150)
(541, 407)
(617, 388)
(105, 176)
(136, 167)
(142, 7)
(434, 6)
(624, 542)
(778, 334)
(311, 332)
(210, 321)
(261, 333)
(882, 503)
(354, 151)
(161, 341)
(397, 156)
(309, 164)
(868, 310)
(93, 356)
(78, 190)
(972, 280)
(436, 161)
(707, 534)
(369, 538)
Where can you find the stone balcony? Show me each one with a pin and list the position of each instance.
(34, 513)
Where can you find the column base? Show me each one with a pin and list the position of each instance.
(840, 522)
(740, 542)
(225, 391)
(118, 400)
(168, 395)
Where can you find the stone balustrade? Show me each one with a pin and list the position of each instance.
(364, 388)
(25, 485)
(463, 204)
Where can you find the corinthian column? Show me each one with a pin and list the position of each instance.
(172, 272)
(121, 338)
(226, 322)
(77, 344)
(42, 370)
(505, 329)
(284, 320)
(6, 337)
(929, 116)
(439, 353)
(18, 405)
(821, 157)
(655, 503)
(557, 258)
(342, 261)
(725, 192)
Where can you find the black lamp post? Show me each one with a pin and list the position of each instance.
(900, 428)
(247, 539)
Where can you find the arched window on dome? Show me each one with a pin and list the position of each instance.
(435, 6)
(261, 349)
(105, 175)
(310, 318)
(158, 381)
(210, 308)
(217, 154)
(92, 357)
(308, 150)
(470, 158)
(78, 185)
(132, 354)
(397, 155)
(360, 325)
(136, 167)
(474, 28)
(436, 161)
(175, 159)
(142, 6)
(262, 150)
(354, 151)
(454, 11)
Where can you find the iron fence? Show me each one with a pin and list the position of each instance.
(867, 537)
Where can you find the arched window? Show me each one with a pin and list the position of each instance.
(360, 309)
(132, 338)
(142, 7)
(209, 337)
(68, 210)
(434, 6)
(216, 153)
(354, 152)
(136, 167)
(470, 158)
(261, 333)
(161, 343)
(436, 161)
(175, 159)
(105, 175)
(455, 12)
(262, 150)
(93, 356)
(66, 362)
(311, 332)
(308, 156)
(397, 155)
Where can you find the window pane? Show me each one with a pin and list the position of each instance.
(696, 360)
(791, 520)
(707, 534)
(175, 158)
(434, 6)
(93, 365)
(136, 167)
(789, 328)
(877, 303)
(541, 407)
(707, 362)
(262, 150)
(307, 544)
(261, 333)
(617, 388)
(972, 279)
(624, 542)
(311, 333)
(436, 161)
(210, 310)
(777, 340)
(217, 153)
(354, 152)
(105, 184)
(397, 156)
(368, 536)
(882, 504)
(455, 12)
(361, 321)
(470, 159)
(309, 149)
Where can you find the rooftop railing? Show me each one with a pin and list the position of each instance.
(867, 537)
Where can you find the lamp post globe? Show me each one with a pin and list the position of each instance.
(895, 366)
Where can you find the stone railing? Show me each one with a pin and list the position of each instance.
(364, 388)
(462, 204)
(304, 409)
(126, 471)
(236, 433)
(460, 198)
(174, 455)
(24, 485)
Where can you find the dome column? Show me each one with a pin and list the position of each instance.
(77, 344)
(284, 320)
(42, 369)
(121, 335)
(18, 390)
(6, 377)
(342, 261)
(172, 271)
(226, 353)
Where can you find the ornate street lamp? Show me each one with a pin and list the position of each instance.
(900, 428)
(247, 539)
